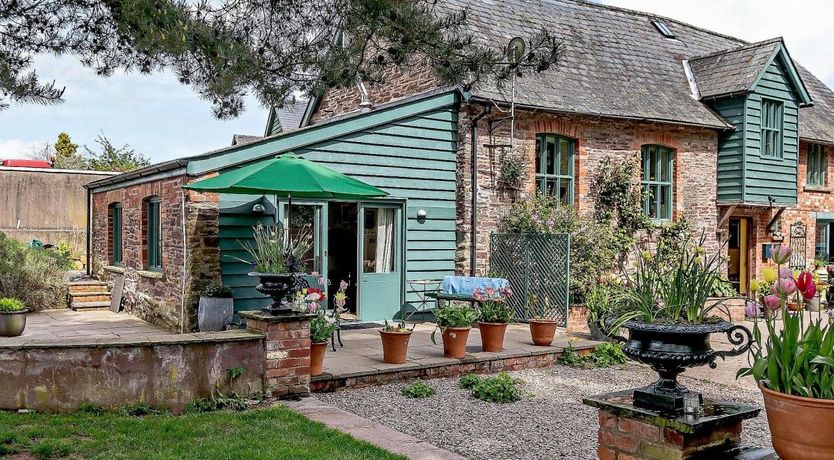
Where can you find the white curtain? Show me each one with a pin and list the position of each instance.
(385, 240)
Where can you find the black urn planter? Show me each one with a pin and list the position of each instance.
(279, 286)
(671, 348)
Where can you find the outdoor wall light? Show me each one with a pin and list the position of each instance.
(421, 213)
(258, 208)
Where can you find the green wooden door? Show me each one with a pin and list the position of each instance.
(380, 261)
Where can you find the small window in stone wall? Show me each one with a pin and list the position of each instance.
(657, 178)
(114, 223)
(152, 233)
(554, 166)
(817, 166)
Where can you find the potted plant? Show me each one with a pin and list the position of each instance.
(322, 326)
(216, 308)
(395, 342)
(794, 367)
(665, 295)
(454, 324)
(493, 317)
(542, 330)
(12, 317)
(274, 261)
(603, 306)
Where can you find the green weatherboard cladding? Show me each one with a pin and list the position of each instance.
(408, 150)
(745, 173)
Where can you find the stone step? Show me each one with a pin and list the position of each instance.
(79, 306)
(87, 286)
(91, 296)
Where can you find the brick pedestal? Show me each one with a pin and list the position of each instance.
(287, 370)
(629, 433)
(577, 319)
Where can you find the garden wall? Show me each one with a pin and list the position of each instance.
(168, 373)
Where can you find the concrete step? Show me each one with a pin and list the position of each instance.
(91, 296)
(79, 306)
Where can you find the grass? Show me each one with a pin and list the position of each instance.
(272, 433)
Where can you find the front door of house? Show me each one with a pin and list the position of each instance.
(380, 261)
(737, 249)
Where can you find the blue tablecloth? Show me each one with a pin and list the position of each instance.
(466, 285)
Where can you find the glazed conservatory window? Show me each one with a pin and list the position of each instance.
(772, 116)
(554, 166)
(116, 234)
(153, 234)
(658, 171)
(817, 170)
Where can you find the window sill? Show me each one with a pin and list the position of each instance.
(816, 189)
(113, 269)
(152, 274)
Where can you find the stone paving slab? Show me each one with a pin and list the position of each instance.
(101, 328)
(370, 431)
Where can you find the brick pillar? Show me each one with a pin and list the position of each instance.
(630, 433)
(577, 319)
(287, 369)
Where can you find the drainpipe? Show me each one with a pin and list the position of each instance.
(89, 229)
(185, 253)
(474, 224)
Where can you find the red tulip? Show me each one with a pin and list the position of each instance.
(804, 280)
(809, 292)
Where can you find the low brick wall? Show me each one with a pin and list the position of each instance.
(169, 372)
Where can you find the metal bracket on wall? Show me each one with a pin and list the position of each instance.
(725, 216)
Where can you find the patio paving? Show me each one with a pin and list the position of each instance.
(360, 361)
(67, 328)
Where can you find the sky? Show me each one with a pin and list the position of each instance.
(163, 119)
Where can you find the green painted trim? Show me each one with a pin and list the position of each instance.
(275, 145)
(799, 86)
(744, 151)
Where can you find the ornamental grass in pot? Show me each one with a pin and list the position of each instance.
(542, 330)
(395, 338)
(794, 364)
(664, 306)
(454, 324)
(12, 317)
(493, 316)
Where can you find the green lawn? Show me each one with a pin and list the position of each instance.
(273, 433)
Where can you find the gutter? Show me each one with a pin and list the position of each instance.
(139, 173)
(474, 218)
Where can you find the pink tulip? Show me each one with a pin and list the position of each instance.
(752, 310)
(772, 301)
(785, 273)
(804, 280)
(809, 292)
(787, 286)
(781, 254)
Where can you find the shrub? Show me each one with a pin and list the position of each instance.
(469, 381)
(499, 389)
(217, 290)
(32, 275)
(418, 389)
(8, 305)
(608, 354)
(512, 171)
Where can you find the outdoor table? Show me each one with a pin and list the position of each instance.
(424, 290)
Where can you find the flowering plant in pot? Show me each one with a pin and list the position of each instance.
(216, 308)
(322, 326)
(794, 365)
(12, 317)
(395, 342)
(665, 297)
(454, 324)
(493, 316)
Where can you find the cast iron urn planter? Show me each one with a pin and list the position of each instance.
(671, 348)
(279, 286)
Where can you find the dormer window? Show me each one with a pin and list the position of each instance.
(773, 112)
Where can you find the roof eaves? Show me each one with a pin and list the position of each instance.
(793, 73)
(138, 173)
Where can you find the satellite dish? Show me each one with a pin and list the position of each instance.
(516, 50)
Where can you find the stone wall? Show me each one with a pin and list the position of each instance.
(166, 297)
(169, 373)
(597, 139)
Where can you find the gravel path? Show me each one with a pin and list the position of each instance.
(551, 422)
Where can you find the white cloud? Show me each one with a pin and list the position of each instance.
(805, 25)
(19, 148)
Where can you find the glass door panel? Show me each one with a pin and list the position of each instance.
(380, 243)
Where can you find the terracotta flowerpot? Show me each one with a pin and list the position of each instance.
(454, 341)
(394, 346)
(542, 331)
(801, 428)
(794, 306)
(492, 336)
(317, 357)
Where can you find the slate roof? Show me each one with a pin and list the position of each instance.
(616, 63)
(731, 71)
(240, 139)
(290, 114)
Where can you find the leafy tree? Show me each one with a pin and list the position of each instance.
(66, 154)
(225, 49)
(112, 158)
